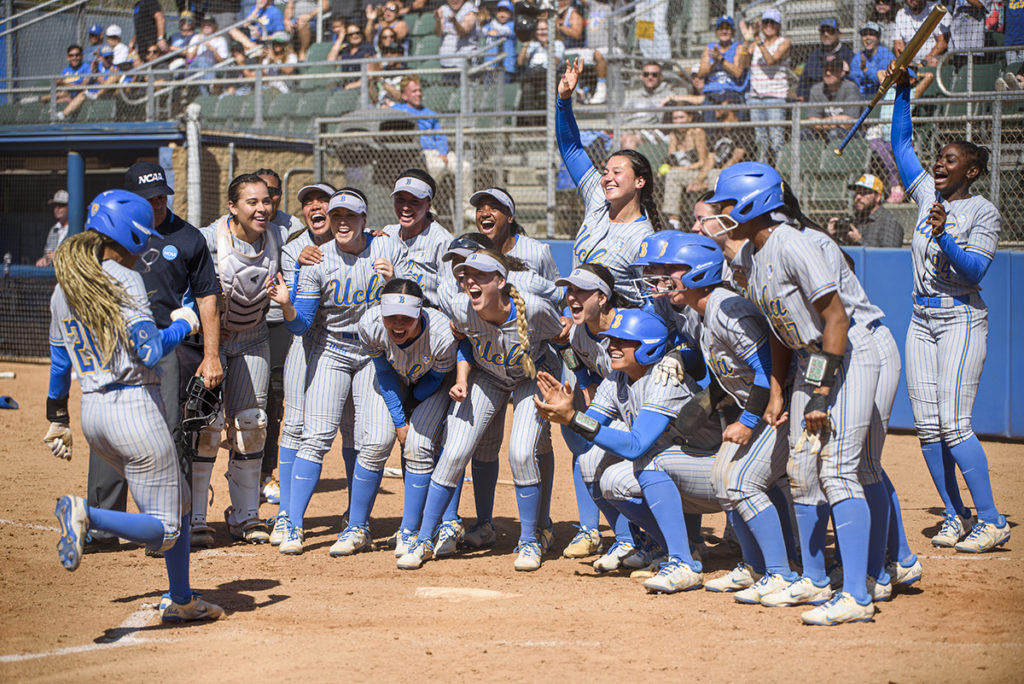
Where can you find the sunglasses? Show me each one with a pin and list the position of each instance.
(274, 192)
(828, 29)
(391, 8)
(388, 35)
(353, 33)
(74, 54)
(650, 74)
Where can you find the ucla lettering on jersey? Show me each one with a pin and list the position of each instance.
(349, 295)
(484, 352)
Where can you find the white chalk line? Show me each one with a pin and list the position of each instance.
(972, 557)
(29, 526)
(137, 620)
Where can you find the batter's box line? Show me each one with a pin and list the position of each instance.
(29, 526)
(129, 628)
(972, 557)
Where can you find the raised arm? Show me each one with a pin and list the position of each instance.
(566, 131)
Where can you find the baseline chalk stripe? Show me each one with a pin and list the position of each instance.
(125, 636)
(29, 526)
(460, 593)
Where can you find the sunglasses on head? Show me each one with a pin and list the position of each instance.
(391, 8)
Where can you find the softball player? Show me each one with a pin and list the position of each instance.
(837, 371)
(496, 218)
(952, 246)
(330, 299)
(101, 329)
(413, 351)
(619, 201)
(301, 250)
(507, 338)
(246, 256)
(667, 466)
(425, 238)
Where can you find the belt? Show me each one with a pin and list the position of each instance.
(941, 302)
(348, 336)
(116, 386)
(873, 325)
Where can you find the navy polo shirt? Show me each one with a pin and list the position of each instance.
(184, 263)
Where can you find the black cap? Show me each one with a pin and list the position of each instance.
(147, 180)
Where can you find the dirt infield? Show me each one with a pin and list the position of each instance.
(470, 618)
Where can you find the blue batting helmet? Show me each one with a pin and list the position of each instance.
(701, 254)
(122, 216)
(653, 247)
(756, 189)
(643, 327)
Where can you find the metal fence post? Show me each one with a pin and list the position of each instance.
(460, 144)
(552, 160)
(794, 159)
(194, 183)
(996, 146)
(364, 86)
(150, 97)
(257, 119)
(76, 192)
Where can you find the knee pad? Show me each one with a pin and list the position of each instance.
(209, 439)
(250, 431)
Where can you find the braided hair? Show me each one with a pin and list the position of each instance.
(522, 326)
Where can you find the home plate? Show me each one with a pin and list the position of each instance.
(460, 593)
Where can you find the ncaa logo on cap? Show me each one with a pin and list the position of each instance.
(150, 178)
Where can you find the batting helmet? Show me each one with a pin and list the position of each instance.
(653, 247)
(701, 254)
(756, 189)
(124, 217)
(641, 326)
(201, 405)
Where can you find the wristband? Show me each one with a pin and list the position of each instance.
(818, 402)
(749, 419)
(584, 426)
(570, 358)
(821, 369)
(757, 402)
(57, 411)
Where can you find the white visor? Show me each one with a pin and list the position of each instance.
(502, 198)
(346, 200)
(585, 280)
(485, 263)
(322, 187)
(456, 252)
(413, 186)
(395, 304)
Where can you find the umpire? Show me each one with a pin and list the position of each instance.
(183, 265)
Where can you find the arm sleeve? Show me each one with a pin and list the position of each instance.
(388, 382)
(60, 372)
(971, 266)
(569, 143)
(428, 384)
(465, 352)
(761, 362)
(305, 312)
(584, 379)
(901, 137)
(151, 344)
(647, 428)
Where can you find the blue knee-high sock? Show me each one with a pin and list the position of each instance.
(451, 511)
(782, 509)
(970, 457)
(879, 505)
(438, 496)
(752, 555)
(853, 530)
(767, 530)
(662, 497)
(285, 462)
(305, 475)
(637, 512)
(138, 527)
(365, 484)
(812, 524)
(176, 560)
(693, 524)
(546, 464)
(349, 457)
(485, 482)
(616, 520)
(899, 548)
(590, 514)
(416, 485)
(528, 500)
(943, 477)
(949, 465)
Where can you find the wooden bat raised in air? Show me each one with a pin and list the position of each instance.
(904, 60)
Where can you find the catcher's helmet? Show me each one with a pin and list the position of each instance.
(201, 405)
(124, 217)
(641, 326)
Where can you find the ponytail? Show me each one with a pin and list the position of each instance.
(524, 330)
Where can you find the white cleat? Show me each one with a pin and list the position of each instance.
(674, 576)
(842, 608)
(740, 577)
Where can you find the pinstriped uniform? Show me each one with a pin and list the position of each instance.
(424, 255)
(433, 349)
(496, 376)
(733, 330)
(537, 255)
(785, 277)
(591, 350)
(298, 351)
(122, 412)
(684, 321)
(946, 346)
(345, 286)
(613, 245)
(524, 281)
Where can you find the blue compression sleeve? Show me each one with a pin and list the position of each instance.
(584, 378)
(152, 345)
(902, 139)
(172, 335)
(60, 373)
(647, 428)
(387, 380)
(761, 362)
(305, 312)
(428, 384)
(970, 265)
(569, 143)
(465, 352)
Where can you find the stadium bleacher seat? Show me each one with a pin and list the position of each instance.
(423, 26)
(341, 102)
(207, 105)
(426, 45)
(318, 51)
(34, 113)
(98, 110)
(8, 114)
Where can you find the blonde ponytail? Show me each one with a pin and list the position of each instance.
(524, 331)
(94, 296)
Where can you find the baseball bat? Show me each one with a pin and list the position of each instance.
(908, 54)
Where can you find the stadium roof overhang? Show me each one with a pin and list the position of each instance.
(89, 136)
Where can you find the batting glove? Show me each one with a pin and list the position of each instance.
(669, 369)
(186, 314)
(58, 438)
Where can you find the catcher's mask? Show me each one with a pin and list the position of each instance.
(201, 405)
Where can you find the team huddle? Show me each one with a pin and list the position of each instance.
(737, 368)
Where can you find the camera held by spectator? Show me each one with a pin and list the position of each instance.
(871, 225)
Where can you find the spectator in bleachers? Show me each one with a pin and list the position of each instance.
(150, 27)
(351, 46)
(241, 59)
(280, 60)
(687, 167)
(572, 27)
(113, 39)
(1013, 23)
(181, 39)
(873, 225)
(655, 92)
(389, 39)
(883, 13)
(455, 22)
(908, 20)
(724, 66)
(386, 17)
(349, 11)
(387, 90)
(727, 146)
(59, 230)
(830, 46)
(299, 16)
(105, 73)
(868, 62)
(262, 20)
(338, 26)
(533, 56)
(91, 53)
(501, 27)
(967, 28)
(205, 51)
(769, 78)
(76, 72)
(224, 12)
(828, 121)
